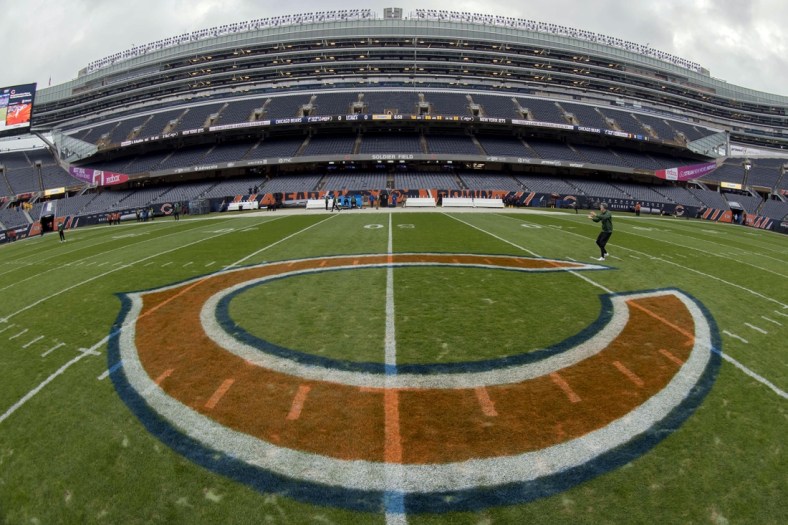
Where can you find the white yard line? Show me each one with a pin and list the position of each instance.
(704, 274)
(730, 334)
(756, 328)
(93, 350)
(531, 252)
(393, 501)
(99, 276)
(40, 337)
(280, 241)
(23, 332)
(52, 349)
(726, 357)
(27, 397)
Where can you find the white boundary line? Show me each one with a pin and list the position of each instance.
(755, 376)
(41, 385)
(93, 349)
(74, 263)
(734, 285)
(730, 334)
(583, 277)
(128, 265)
(117, 365)
(738, 365)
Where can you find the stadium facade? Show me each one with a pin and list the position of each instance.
(436, 101)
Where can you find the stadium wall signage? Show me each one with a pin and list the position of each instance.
(460, 120)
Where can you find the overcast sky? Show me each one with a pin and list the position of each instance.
(743, 42)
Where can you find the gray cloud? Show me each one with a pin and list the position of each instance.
(740, 42)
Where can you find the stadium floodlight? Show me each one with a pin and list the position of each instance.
(747, 164)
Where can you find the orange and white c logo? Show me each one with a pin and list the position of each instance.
(409, 438)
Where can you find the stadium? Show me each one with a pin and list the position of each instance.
(209, 342)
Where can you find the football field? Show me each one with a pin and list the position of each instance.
(392, 367)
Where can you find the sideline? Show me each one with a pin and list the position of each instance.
(687, 268)
(576, 274)
(731, 360)
(119, 268)
(93, 349)
(76, 262)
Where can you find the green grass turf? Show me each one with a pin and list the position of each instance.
(74, 453)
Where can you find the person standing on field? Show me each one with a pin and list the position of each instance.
(606, 218)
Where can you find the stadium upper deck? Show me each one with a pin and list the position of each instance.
(436, 50)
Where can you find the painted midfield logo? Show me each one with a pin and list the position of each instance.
(432, 438)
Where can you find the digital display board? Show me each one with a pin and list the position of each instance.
(16, 109)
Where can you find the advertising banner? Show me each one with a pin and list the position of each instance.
(98, 177)
(682, 173)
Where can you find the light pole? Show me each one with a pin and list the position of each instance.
(747, 166)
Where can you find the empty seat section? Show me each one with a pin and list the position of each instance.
(425, 181)
(543, 184)
(227, 152)
(184, 192)
(291, 184)
(447, 104)
(272, 148)
(585, 115)
(553, 150)
(625, 121)
(145, 163)
(598, 189)
(489, 181)
(542, 110)
(238, 111)
(451, 144)
(710, 199)
(354, 181)
(679, 195)
(334, 103)
(285, 107)
(330, 145)
(158, 123)
(124, 129)
(507, 146)
(57, 177)
(184, 157)
(775, 210)
(636, 159)
(396, 102)
(232, 187)
(197, 116)
(14, 218)
(23, 180)
(390, 143)
(496, 106)
(96, 133)
(748, 202)
(659, 126)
